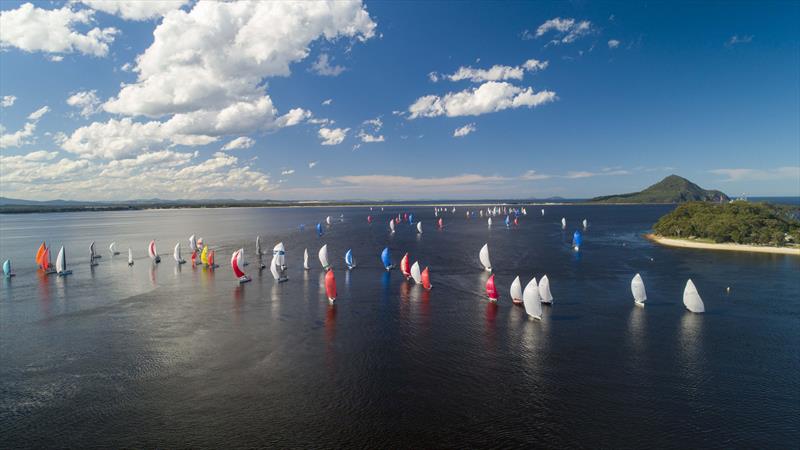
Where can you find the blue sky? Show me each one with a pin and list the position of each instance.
(182, 99)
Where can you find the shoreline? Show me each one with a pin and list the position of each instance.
(730, 247)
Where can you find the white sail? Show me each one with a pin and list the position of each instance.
(176, 254)
(489, 221)
(484, 257)
(92, 253)
(192, 243)
(542, 211)
(516, 290)
(328, 220)
(531, 300)
(637, 289)
(563, 223)
(415, 273)
(258, 246)
(273, 268)
(130, 256)
(323, 257)
(419, 227)
(544, 290)
(279, 252)
(391, 225)
(113, 248)
(61, 261)
(691, 298)
(305, 260)
(585, 224)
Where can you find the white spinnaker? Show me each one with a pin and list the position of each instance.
(305, 260)
(691, 298)
(273, 268)
(516, 290)
(419, 227)
(176, 254)
(61, 261)
(563, 223)
(323, 256)
(531, 300)
(544, 290)
(484, 257)
(415, 273)
(637, 289)
(130, 256)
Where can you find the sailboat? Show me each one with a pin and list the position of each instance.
(544, 290)
(415, 273)
(585, 224)
(508, 222)
(419, 227)
(323, 257)
(405, 266)
(691, 298)
(193, 244)
(130, 256)
(441, 223)
(530, 298)
(92, 255)
(211, 264)
(151, 250)
(328, 220)
(386, 259)
(241, 277)
(204, 255)
(484, 258)
(258, 246)
(176, 254)
(113, 249)
(330, 286)
(391, 225)
(7, 269)
(542, 211)
(93, 251)
(40, 254)
(577, 240)
(279, 261)
(319, 229)
(411, 218)
(61, 263)
(489, 222)
(516, 291)
(349, 260)
(369, 220)
(491, 290)
(273, 269)
(305, 260)
(637, 289)
(426, 279)
(563, 223)
(516, 221)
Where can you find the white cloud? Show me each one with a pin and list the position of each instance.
(532, 175)
(465, 130)
(494, 73)
(566, 30)
(7, 100)
(322, 66)
(601, 173)
(379, 181)
(332, 136)
(36, 115)
(241, 142)
(778, 173)
(35, 29)
(135, 9)
(87, 101)
(736, 39)
(56, 58)
(370, 138)
(433, 76)
(17, 138)
(287, 172)
(327, 102)
(491, 96)
(369, 132)
(311, 164)
(613, 43)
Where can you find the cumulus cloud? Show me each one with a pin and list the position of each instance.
(370, 132)
(332, 136)
(566, 30)
(33, 29)
(491, 96)
(7, 101)
(87, 101)
(241, 142)
(135, 9)
(56, 58)
(36, 115)
(287, 172)
(327, 102)
(311, 164)
(778, 173)
(17, 138)
(465, 130)
(323, 67)
(613, 43)
(494, 73)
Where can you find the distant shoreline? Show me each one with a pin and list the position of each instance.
(685, 243)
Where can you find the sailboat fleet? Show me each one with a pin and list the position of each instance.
(531, 297)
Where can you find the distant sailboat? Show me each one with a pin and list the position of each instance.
(193, 244)
(419, 227)
(415, 273)
(328, 220)
(130, 256)
(637, 289)
(258, 247)
(7, 272)
(92, 255)
(530, 298)
(489, 222)
(176, 254)
(491, 290)
(386, 259)
(151, 250)
(426, 279)
(405, 266)
(508, 222)
(241, 277)
(61, 263)
(349, 259)
(93, 251)
(563, 223)
(39, 256)
(47, 263)
(411, 218)
(516, 291)
(113, 249)
(369, 220)
(391, 225)
(323, 257)
(441, 223)
(484, 258)
(330, 286)
(204, 255)
(319, 229)
(305, 260)
(211, 259)
(691, 298)
(585, 224)
(542, 211)
(279, 252)
(577, 240)
(544, 290)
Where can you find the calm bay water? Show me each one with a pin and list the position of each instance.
(167, 356)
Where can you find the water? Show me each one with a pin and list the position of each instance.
(160, 356)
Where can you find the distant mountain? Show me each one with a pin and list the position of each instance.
(672, 189)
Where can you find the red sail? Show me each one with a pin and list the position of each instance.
(194, 257)
(46, 259)
(330, 285)
(441, 223)
(369, 219)
(426, 279)
(39, 254)
(235, 265)
(405, 267)
(491, 290)
(211, 258)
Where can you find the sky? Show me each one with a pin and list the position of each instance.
(186, 99)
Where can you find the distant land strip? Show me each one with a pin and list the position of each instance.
(727, 246)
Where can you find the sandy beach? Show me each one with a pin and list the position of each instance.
(685, 243)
